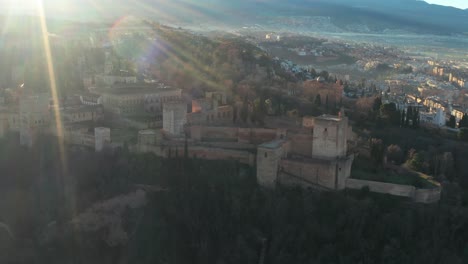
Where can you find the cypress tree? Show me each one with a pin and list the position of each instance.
(464, 121)
(409, 115)
(403, 118)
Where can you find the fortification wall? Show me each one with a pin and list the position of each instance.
(219, 133)
(290, 180)
(417, 195)
(315, 172)
(201, 152)
(382, 187)
(256, 135)
(234, 134)
(344, 171)
(201, 133)
(427, 195)
(244, 157)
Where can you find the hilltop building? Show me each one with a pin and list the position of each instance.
(435, 118)
(211, 110)
(132, 99)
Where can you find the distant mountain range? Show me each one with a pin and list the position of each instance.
(376, 15)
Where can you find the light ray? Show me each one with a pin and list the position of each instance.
(56, 110)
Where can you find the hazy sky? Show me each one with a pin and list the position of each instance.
(463, 4)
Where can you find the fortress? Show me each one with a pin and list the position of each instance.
(313, 154)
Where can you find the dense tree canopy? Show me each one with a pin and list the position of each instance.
(214, 212)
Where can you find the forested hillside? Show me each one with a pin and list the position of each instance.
(210, 212)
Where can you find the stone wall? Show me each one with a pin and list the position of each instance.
(201, 152)
(427, 195)
(343, 170)
(316, 172)
(417, 195)
(301, 144)
(382, 187)
(234, 134)
(201, 133)
(290, 180)
(243, 157)
(256, 135)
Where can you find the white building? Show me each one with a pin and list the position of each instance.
(436, 118)
(131, 99)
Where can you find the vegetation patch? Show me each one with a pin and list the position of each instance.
(363, 169)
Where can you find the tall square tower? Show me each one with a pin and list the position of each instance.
(330, 137)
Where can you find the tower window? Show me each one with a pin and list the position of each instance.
(266, 155)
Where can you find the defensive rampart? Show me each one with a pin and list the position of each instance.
(415, 194)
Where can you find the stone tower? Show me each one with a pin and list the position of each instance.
(174, 117)
(330, 137)
(269, 156)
